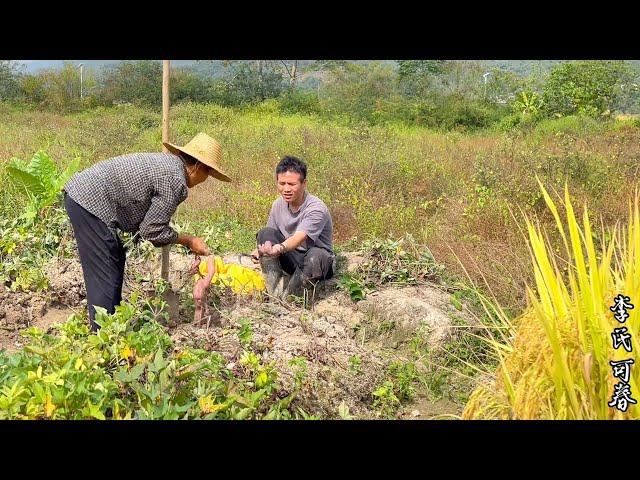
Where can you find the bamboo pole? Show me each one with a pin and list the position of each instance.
(166, 69)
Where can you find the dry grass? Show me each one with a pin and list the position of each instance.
(457, 192)
(558, 365)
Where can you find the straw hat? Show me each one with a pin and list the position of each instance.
(204, 149)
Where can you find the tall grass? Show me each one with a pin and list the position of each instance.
(557, 366)
(453, 191)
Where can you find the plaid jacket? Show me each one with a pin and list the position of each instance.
(138, 192)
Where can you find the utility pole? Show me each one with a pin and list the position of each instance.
(81, 65)
(485, 75)
(166, 70)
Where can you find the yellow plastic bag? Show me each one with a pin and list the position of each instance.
(241, 280)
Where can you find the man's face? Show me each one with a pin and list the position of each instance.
(290, 187)
(198, 174)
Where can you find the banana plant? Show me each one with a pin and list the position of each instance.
(41, 181)
(528, 102)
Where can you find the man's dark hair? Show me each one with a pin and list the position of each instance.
(292, 164)
(190, 161)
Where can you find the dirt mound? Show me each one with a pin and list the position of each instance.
(66, 283)
(408, 309)
(19, 310)
(65, 295)
(324, 337)
(22, 310)
(345, 344)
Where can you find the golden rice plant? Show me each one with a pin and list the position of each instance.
(554, 363)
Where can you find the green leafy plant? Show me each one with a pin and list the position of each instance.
(355, 364)
(352, 286)
(41, 180)
(397, 261)
(385, 399)
(245, 333)
(528, 103)
(129, 369)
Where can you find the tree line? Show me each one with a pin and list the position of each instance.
(434, 93)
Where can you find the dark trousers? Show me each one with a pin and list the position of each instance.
(316, 263)
(102, 257)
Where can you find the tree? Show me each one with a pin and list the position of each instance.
(33, 88)
(137, 82)
(502, 86)
(292, 72)
(248, 82)
(417, 77)
(9, 80)
(585, 87)
(363, 92)
(189, 85)
(60, 89)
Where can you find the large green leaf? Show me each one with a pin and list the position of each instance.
(27, 180)
(43, 168)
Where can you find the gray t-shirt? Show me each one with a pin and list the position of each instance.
(313, 218)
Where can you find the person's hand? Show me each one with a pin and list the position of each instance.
(195, 266)
(272, 250)
(197, 246)
(255, 256)
(265, 248)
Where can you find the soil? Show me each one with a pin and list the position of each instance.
(346, 345)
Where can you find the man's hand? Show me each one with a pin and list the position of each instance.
(255, 258)
(198, 246)
(272, 250)
(195, 244)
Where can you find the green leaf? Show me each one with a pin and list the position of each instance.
(343, 411)
(134, 374)
(244, 413)
(158, 362)
(72, 168)
(44, 169)
(39, 392)
(456, 302)
(28, 181)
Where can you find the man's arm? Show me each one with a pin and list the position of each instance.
(310, 226)
(155, 225)
(291, 243)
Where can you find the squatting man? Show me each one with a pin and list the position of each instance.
(298, 236)
(295, 249)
